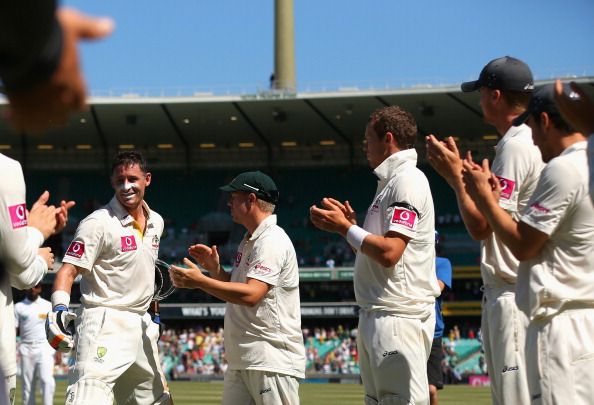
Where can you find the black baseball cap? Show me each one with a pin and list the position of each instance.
(505, 73)
(254, 182)
(543, 100)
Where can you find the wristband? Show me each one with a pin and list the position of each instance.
(60, 297)
(355, 236)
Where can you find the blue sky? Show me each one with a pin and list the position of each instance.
(213, 45)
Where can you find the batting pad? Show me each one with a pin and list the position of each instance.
(89, 391)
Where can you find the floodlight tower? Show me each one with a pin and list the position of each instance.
(284, 46)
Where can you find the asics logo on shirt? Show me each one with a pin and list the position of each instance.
(390, 353)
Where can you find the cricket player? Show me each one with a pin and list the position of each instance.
(394, 277)
(579, 113)
(114, 250)
(37, 357)
(554, 239)
(505, 86)
(25, 263)
(263, 337)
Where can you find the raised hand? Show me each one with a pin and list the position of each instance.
(47, 255)
(50, 103)
(206, 257)
(332, 217)
(62, 215)
(42, 216)
(186, 277)
(578, 112)
(444, 158)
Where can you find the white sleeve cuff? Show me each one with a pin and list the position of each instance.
(35, 236)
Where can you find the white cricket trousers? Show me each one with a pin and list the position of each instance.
(503, 327)
(37, 357)
(256, 387)
(393, 354)
(116, 356)
(560, 358)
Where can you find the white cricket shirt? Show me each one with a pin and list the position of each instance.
(268, 336)
(30, 319)
(591, 164)
(402, 204)
(563, 272)
(517, 164)
(117, 262)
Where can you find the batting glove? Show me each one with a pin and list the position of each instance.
(59, 329)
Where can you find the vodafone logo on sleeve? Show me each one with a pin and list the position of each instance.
(507, 187)
(76, 249)
(128, 243)
(18, 215)
(404, 217)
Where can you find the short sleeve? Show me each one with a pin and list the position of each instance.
(402, 206)
(86, 245)
(267, 261)
(551, 199)
(511, 167)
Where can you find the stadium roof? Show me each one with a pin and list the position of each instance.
(258, 130)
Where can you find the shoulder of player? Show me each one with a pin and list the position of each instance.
(410, 175)
(567, 170)
(7, 163)
(275, 235)
(520, 147)
(156, 218)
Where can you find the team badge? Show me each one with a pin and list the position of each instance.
(404, 217)
(128, 243)
(76, 249)
(507, 187)
(155, 242)
(101, 351)
(18, 215)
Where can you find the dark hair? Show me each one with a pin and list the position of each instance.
(129, 158)
(516, 98)
(396, 120)
(557, 120)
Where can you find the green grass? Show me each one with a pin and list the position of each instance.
(190, 393)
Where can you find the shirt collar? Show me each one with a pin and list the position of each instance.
(575, 147)
(267, 223)
(511, 132)
(123, 215)
(390, 166)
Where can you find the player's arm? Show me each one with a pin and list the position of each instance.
(64, 280)
(524, 241)
(385, 249)
(249, 293)
(445, 159)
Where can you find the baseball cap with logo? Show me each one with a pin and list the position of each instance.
(254, 182)
(505, 73)
(543, 100)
